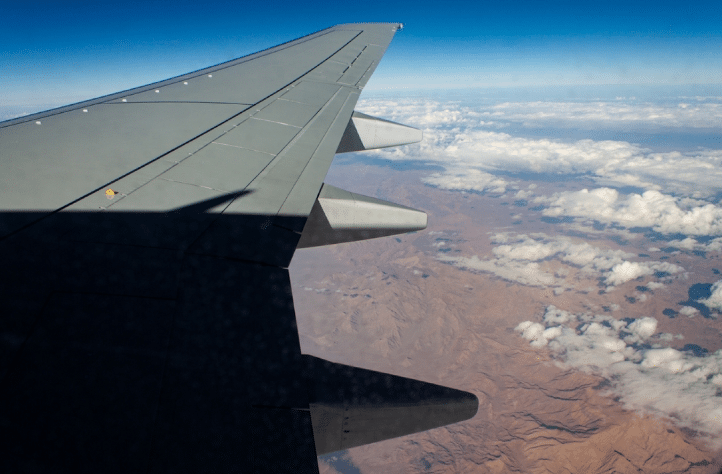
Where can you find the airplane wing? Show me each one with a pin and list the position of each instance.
(147, 320)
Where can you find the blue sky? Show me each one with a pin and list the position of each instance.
(53, 53)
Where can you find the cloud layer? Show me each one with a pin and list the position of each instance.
(621, 113)
(648, 377)
(545, 261)
(618, 113)
(467, 142)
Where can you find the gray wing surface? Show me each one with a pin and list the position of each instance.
(147, 317)
(270, 122)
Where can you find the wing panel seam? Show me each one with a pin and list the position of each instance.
(315, 150)
(282, 154)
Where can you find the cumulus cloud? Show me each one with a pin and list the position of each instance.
(663, 213)
(688, 311)
(705, 245)
(652, 380)
(534, 260)
(467, 180)
(715, 299)
(538, 334)
(641, 329)
(627, 271)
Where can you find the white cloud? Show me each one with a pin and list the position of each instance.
(526, 273)
(523, 194)
(688, 311)
(527, 259)
(661, 381)
(537, 334)
(712, 245)
(623, 114)
(715, 299)
(467, 180)
(627, 271)
(663, 213)
(643, 328)
(668, 358)
(688, 243)
(460, 139)
(612, 114)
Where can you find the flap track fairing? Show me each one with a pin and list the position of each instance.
(365, 132)
(341, 216)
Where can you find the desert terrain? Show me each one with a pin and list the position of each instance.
(395, 305)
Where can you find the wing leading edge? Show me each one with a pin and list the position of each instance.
(148, 320)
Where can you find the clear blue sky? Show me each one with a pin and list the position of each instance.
(60, 52)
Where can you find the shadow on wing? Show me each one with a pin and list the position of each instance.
(167, 342)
